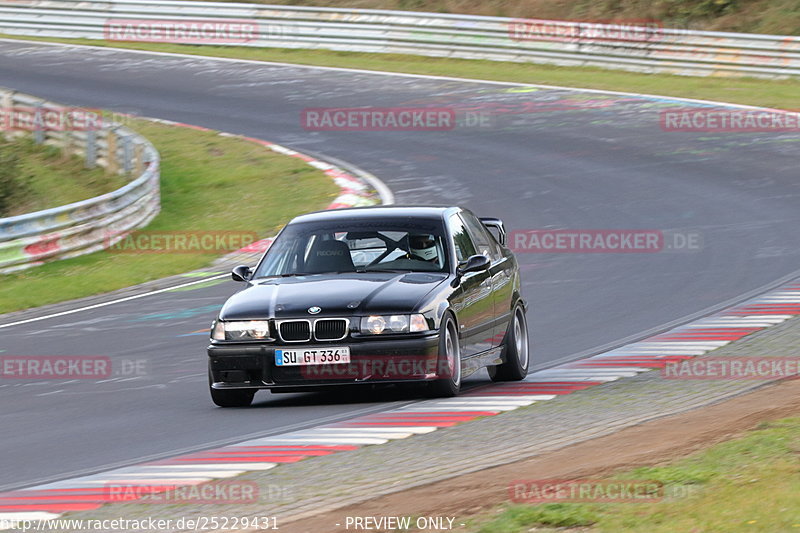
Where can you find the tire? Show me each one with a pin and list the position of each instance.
(516, 356)
(231, 397)
(450, 360)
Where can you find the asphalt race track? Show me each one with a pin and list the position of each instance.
(545, 158)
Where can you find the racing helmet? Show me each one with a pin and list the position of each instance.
(423, 246)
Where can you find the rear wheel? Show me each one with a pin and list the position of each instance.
(449, 362)
(515, 350)
(231, 397)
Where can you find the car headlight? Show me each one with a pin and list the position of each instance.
(241, 330)
(383, 324)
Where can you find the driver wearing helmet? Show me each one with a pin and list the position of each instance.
(423, 247)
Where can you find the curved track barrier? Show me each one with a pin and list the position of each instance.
(83, 227)
(641, 46)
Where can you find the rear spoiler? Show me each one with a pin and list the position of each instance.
(496, 227)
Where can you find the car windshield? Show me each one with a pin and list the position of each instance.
(337, 246)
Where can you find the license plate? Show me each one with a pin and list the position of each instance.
(316, 356)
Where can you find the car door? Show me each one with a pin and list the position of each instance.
(472, 300)
(502, 273)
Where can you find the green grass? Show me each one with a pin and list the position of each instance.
(753, 91)
(208, 183)
(748, 484)
(50, 178)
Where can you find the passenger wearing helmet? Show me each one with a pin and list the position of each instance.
(423, 247)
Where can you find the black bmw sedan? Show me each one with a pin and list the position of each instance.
(372, 295)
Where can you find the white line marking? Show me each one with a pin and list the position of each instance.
(594, 371)
(278, 440)
(733, 319)
(649, 353)
(534, 397)
(187, 466)
(698, 345)
(737, 325)
(104, 304)
(86, 483)
(196, 473)
(571, 379)
(454, 408)
(388, 432)
(494, 401)
(616, 369)
(590, 373)
(51, 392)
(522, 396)
(247, 467)
(409, 429)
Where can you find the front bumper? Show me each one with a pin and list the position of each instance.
(397, 360)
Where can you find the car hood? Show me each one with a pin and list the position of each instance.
(335, 294)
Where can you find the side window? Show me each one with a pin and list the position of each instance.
(461, 239)
(480, 235)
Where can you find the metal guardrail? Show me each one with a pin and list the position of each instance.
(642, 48)
(90, 225)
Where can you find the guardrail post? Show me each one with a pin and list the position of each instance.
(138, 158)
(38, 124)
(112, 163)
(66, 144)
(127, 154)
(91, 148)
(68, 136)
(7, 102)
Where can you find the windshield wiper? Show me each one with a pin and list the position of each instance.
(389, 270)
(357, 271)
(315, 273)
(290, 275)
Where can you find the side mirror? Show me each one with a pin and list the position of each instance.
(241, 273)
(475, 263)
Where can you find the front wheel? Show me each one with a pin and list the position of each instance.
(515, 350)
(231, 397)
(449, 362)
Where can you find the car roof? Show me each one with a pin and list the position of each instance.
(378, 212)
